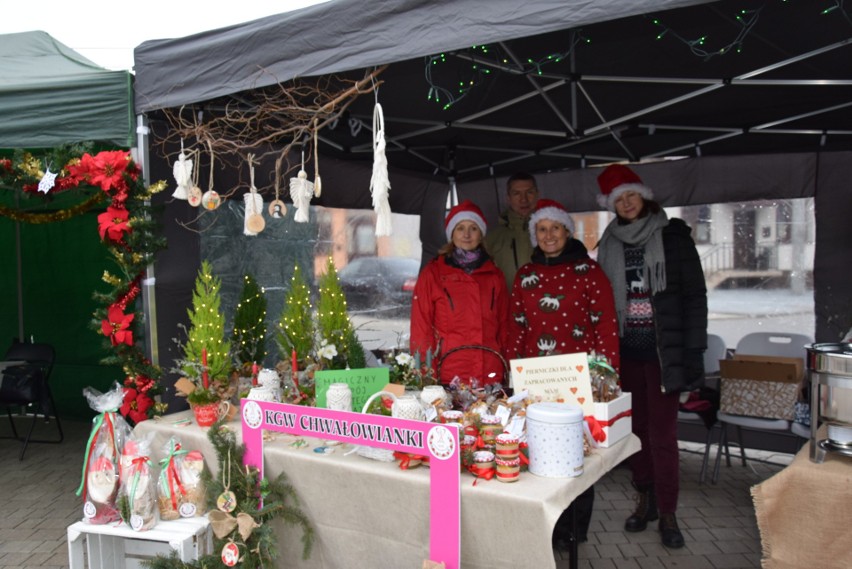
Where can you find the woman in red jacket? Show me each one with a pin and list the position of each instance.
(461, 299)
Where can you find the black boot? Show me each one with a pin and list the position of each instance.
(669, 532)
(646, 509)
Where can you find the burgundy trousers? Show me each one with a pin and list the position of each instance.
(655, 423)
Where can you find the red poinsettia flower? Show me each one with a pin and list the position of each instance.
(105, 170)
(136, 405)
(114, 224)
(5, 165)
(116, 326)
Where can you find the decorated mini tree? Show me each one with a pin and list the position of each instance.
(206, 348)
(249, 337)
(296, 329)
(339, 344)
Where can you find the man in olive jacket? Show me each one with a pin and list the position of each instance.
(509, 243)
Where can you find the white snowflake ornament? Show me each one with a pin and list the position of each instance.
(47, 181)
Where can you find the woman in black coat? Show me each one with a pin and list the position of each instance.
(661, 305)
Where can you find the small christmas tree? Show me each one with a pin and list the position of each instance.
(296, 329)
(339, 343)
(206, 334)
(249, 335)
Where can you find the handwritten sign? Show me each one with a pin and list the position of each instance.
(363, 383)
(438, 442)
(563, 378)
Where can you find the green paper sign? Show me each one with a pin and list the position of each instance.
(363, 383)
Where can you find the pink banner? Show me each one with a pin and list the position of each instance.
(438, 442)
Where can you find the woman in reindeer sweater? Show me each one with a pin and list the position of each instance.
(562, 303)
(561, 300)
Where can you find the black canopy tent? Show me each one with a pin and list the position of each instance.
(478, 89)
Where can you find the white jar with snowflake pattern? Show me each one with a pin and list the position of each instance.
(555, 439)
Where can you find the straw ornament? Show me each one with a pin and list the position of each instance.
(379, 183)
(254, 222)
(317, 181)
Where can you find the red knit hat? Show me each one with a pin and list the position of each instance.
(617, 179)
(552, 210)
(467, 210)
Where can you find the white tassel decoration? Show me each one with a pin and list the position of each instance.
(379, 183)
(182, 171)
(301, 191)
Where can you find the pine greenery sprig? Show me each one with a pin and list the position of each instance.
(280, 501)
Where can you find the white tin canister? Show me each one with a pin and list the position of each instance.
(339, 397)
(555, 439)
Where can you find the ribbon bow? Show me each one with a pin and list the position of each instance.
(139, 465)
(480, 472)
(596, 426)
(473, 431)
(93, 438)
(408, 460)
(169, 477)
(224, 523)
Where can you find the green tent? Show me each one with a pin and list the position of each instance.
(50, 96)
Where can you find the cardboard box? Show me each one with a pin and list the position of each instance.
(760, 386)
(615, 418)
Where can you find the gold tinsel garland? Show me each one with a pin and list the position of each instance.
(61, 215)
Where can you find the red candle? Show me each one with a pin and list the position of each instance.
(204, 379)
(254, 374)
(295, 369)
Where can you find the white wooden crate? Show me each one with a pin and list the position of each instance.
(113, 546)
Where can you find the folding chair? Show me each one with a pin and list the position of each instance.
(25, 387)
(716, 350)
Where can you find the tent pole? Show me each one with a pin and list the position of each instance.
(149, 301)
(19, 269)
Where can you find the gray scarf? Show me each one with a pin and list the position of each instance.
(647, 232)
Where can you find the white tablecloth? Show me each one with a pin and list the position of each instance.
(370, 514)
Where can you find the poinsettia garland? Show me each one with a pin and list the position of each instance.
(126, 229)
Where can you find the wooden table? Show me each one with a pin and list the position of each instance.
(371, 514)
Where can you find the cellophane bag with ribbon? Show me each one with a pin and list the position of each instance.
(100, 480)
(180, 489)
(138, 491)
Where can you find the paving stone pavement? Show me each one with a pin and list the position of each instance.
(717, 519)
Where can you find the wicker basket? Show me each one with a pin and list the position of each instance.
(375, 453)
(504, 382)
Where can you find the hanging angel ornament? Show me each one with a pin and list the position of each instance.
(379, 183)
(182, 171)
(301, 191)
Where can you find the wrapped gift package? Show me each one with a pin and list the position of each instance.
(761, 386)
(615, 418)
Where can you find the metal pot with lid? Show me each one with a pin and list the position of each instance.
(830, 372)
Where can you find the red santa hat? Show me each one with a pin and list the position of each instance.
(552, 210)
(617, 179)
(467, 210)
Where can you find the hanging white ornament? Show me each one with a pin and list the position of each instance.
(301, 191)
(47, 181)
(379, 183)
(210, 199)
(182, 171)
(254, 222)
(277, 208)
(317, 180)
